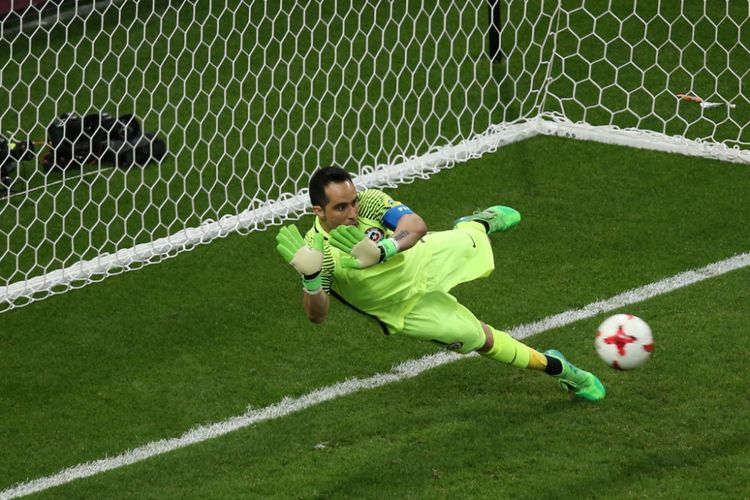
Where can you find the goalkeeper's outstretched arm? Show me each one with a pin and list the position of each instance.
(316, 306)
(308, 261)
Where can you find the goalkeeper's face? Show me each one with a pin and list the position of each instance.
(342, 208)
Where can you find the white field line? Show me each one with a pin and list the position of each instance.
(405, 370)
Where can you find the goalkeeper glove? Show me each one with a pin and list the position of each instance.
(363, 252)
(306, 260)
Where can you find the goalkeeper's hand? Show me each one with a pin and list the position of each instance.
(308, 261)
(362, 251)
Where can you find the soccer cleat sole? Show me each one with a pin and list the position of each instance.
(498, 218)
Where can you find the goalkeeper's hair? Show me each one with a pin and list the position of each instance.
(321, 178)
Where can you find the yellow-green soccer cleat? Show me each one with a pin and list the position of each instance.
(580, 382)
(497, 218)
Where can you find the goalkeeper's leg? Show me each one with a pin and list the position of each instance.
(439, 317)
(504, 348)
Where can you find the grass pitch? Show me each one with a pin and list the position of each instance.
(199, 339)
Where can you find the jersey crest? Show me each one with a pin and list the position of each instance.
(375, 234)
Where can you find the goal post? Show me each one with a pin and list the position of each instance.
(251, 97)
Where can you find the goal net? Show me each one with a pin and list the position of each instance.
(251, 97)
(671, 76)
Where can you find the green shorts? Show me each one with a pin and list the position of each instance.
(458, 256)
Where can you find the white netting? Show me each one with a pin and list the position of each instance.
(252, 96)
(624, 64)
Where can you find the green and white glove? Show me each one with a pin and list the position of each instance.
(308, 261)
(362, 251)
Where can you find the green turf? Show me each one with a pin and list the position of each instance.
(476, 430)
(197, 339)
(248, 113)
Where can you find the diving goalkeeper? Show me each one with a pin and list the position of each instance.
(375, 255)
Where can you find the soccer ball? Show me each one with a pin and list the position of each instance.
(624, 341)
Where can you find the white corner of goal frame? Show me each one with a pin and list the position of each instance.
(557, 125)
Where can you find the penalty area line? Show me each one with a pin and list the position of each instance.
(402, 371)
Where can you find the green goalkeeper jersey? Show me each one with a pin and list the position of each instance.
(387, 290)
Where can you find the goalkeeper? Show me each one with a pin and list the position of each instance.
(375, 255)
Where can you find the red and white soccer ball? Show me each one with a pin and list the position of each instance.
(624, 341)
